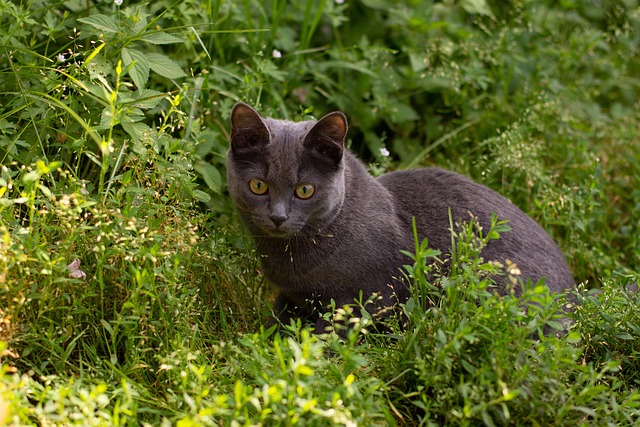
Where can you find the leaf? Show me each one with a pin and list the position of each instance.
(107, 326)
(107, 119)
(101, 22)
(204, 147)
(92, 55)
(160, 38)
(30, 177)
(574, 337)
(401, 112)
(585, 410)
(165, 66)
(136, 130)
(493, 235)
(201, 196)
(147, 98)
(201, 43)
(139, 71)
(555, 325)
(210, 174)
(624, 336)
(479, 7)
(93, 157)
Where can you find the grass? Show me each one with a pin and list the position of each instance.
(130, 295)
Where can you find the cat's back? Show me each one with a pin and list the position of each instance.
(432, 189)
(430, 194)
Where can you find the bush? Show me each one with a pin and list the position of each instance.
(130, 296)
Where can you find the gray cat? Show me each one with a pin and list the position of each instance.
(326, 229)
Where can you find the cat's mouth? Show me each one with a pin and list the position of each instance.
(278, 232)
(282, 231)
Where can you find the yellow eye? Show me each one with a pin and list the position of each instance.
(258, 186)
(304, 191)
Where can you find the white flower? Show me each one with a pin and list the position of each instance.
(276, 53)
(384, 152)
(74, 270)
(118, 2)
(339, 1)
(61, 57)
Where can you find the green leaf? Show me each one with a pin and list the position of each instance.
(574, 337)
(201, 196)
(585, 410)
(493, 235)
(101, 22)
(204, 147)
(401, 112)
(107, 326)
(30, 177)
(624, 336)
(135, 129)
(147, 98)
(139, 71)
(555, 325)
(479, 7)
(210, 174)
(107, 119)
(160, 38)
(165, 66)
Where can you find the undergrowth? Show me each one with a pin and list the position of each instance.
(129, 294)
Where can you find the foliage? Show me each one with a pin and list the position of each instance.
(130, 296)
(473, 356)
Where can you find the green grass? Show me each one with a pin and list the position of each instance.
(113, 134)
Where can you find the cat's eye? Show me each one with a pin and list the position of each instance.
(258, 186)
(304, 191)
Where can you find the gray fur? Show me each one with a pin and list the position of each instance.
(347, 238)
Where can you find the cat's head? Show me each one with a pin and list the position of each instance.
(286, 179)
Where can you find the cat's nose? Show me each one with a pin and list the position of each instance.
(278, 218)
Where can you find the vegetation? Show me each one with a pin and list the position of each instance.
(130, 295)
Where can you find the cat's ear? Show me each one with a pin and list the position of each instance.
(248, 131)
(326, 138)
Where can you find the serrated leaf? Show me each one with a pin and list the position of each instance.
(139, 71)
(140, 25)
(146, 98)
(97, 68)
(165, 66)
(160, 38)
(101, 22)
(135, 129)
(210, 174)
(133, 115)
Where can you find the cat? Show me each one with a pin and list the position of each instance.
(326, 229)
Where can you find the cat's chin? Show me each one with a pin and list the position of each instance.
(280, 232)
